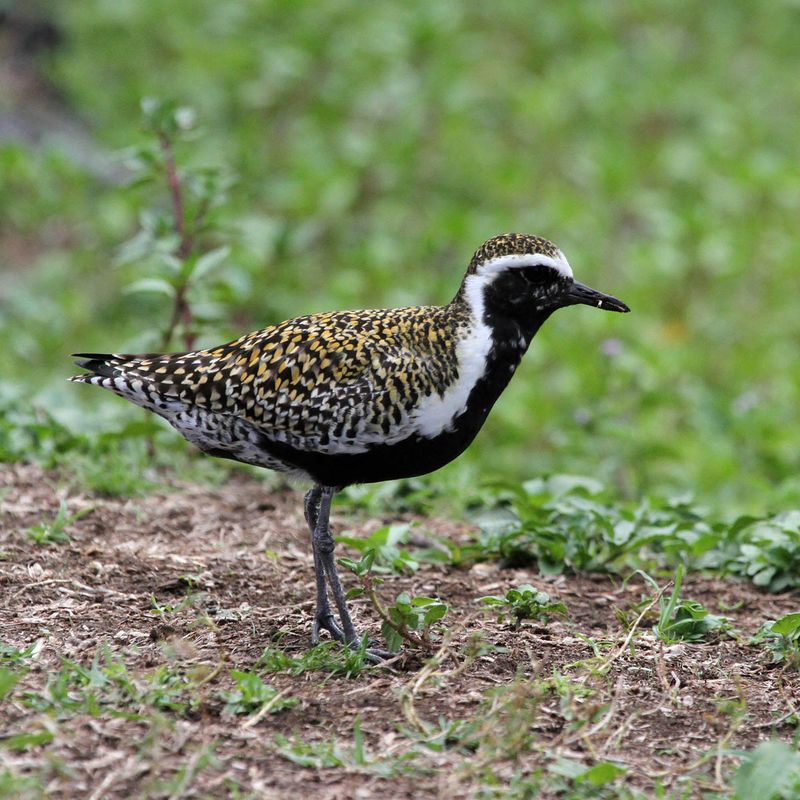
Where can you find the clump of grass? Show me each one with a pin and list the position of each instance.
(20, 787)
(252, 695)
(8, 680)
(331, 753)
(108, 686)
(15, 656)
(686, 620)
(53, 532)
(330, 657)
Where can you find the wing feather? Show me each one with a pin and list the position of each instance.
(332, 382)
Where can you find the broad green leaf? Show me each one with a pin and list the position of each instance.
(209, 261)
(788, 625)
(766, 771)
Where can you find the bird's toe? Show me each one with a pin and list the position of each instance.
(326, 623)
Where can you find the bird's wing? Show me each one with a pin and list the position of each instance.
(335, 382)
(341, 382)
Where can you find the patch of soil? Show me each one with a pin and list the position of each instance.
(241, 556)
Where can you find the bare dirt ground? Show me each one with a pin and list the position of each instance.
(240, 554)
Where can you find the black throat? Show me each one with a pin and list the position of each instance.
(513, 326)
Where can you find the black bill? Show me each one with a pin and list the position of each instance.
(580, 294)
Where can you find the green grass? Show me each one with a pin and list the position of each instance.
(682, 620)
(53, 532)
(327, 657)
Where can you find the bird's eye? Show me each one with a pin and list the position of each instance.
(536, 276)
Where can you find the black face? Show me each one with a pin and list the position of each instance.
(541, 288)
(525, 291)
(526, 296)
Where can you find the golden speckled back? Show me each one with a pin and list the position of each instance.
(329, 382)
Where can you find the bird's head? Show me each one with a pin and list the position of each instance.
(525, 278)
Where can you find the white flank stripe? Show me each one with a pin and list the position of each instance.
(435, 414)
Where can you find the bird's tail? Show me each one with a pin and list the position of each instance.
(99, 365)
(107, 366)
(129, 376)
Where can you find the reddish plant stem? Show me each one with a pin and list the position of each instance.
(181, 312)
(174, 181)
(189, 335)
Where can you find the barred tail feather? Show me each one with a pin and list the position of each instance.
(101, 364)
(106, 365)
(117, 372)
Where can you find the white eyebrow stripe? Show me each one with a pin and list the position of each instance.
(516, 260)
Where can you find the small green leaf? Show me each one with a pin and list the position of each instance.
(154, 285)
(358, 743)
(567, 767)
(210, 261)
(601, 774)
(493, 600)
(435, 612)
(22, 741)
(393, 639)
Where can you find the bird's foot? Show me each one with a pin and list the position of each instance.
(372, 652)
(377, 655)
(326, 622)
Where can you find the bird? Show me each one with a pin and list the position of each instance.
(349, 397)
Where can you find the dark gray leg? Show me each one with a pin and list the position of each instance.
(323, 547)
(318, 511)
(323, 618)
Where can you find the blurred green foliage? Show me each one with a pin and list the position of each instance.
(782, 639)
(569, 523)
(377, 145)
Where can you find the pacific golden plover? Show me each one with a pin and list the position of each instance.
(349, 397)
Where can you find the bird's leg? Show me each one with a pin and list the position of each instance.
(323, 550)
(323, 618)
(317, 511)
